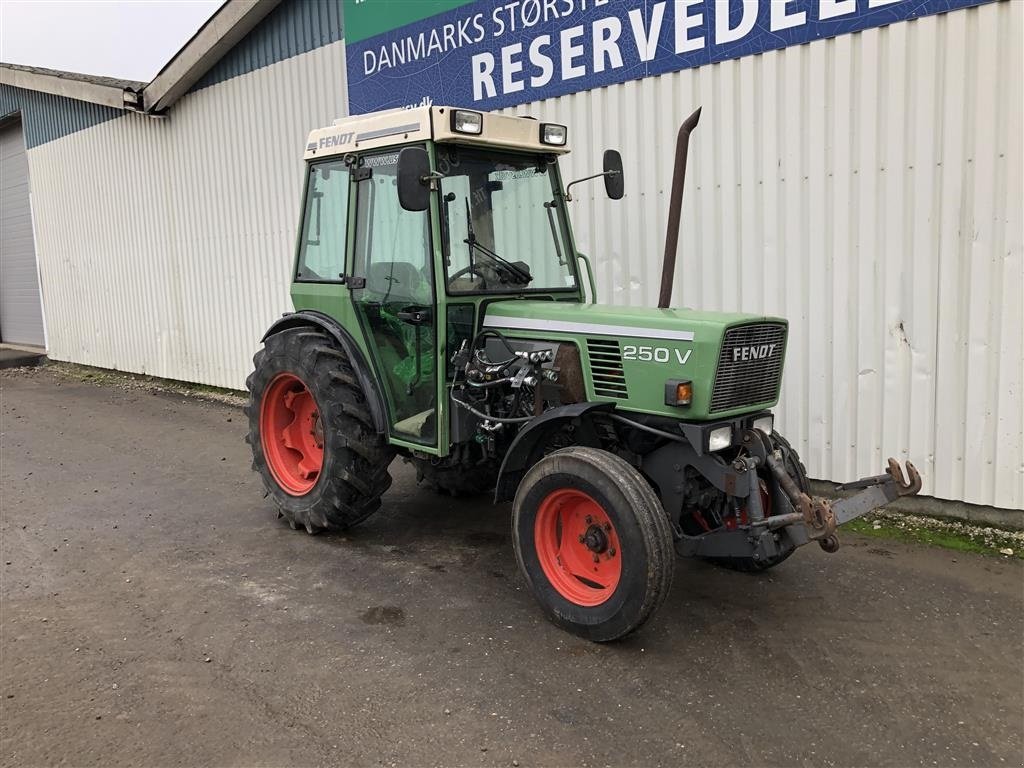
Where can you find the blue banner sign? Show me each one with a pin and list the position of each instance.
(491, 54)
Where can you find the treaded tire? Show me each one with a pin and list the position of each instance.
(456, 481)
(354, 473)
(640, 527)
(796, 469)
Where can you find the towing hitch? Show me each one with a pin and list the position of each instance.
(876, 491)
(821, 517)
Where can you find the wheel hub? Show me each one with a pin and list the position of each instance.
(596, 540)
(292, 434)
(578, 547)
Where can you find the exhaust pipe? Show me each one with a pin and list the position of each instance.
(675, 208)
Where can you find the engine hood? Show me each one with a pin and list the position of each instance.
(629, 353)
(607, 320)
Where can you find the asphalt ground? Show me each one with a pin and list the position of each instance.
(155, 612)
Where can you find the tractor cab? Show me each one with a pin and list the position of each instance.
(423, 217)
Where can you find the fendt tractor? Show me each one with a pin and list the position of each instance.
(441, 315)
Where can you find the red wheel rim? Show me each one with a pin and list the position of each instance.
(578, 547)
(292, 435)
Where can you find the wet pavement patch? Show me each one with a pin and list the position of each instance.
(384, 614)
(485, 538)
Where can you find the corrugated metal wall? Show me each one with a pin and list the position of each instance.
(165, 246)
(868, 188)
(47, 117)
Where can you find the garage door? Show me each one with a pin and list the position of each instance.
(21, 311)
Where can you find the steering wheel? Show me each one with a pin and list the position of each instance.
(473, 269)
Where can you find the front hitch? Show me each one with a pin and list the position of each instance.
(821, 517)
(817, 515)
(876, 491)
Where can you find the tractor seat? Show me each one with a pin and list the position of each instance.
(400, 281)
(415, 424)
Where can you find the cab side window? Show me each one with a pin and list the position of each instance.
(392, 249)
(324, 223)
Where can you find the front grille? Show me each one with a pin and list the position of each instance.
(742, 382)
(606, 368)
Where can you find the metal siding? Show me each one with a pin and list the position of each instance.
(867, 187)
(47, 117)
(21, 313)
(293, 28)
(166, 246)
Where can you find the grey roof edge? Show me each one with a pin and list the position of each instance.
(108, 91)
(232, 21)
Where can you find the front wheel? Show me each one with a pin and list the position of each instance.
(593, 542)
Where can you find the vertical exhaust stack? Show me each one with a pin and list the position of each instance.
(675, 207)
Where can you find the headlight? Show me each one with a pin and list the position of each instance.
(719, 438)
(552, 133)
(464, 121)
(765, 423)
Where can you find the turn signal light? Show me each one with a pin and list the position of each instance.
(678, 392)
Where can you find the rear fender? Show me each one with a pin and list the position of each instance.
(309, 318)
(527, 445)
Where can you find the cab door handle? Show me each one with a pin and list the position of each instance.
(416, 315)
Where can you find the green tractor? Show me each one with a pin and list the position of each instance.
(444, 314)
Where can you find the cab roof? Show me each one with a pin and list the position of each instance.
(402, 126)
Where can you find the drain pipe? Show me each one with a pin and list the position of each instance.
(675, 207)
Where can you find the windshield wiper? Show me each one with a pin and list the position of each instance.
(518, 272)
(521, 274)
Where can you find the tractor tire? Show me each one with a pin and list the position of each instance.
(456, 481)
(313, 441)
(593, 542)
(796, 469)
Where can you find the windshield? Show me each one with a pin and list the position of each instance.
(502, 231)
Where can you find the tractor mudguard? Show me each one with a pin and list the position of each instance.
(309, 318)
(520, 456)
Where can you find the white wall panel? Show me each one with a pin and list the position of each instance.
(869, 188)
(166, 246)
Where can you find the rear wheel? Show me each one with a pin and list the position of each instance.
(313, 442)
(593, 542)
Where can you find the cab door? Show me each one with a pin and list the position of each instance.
(392, 289)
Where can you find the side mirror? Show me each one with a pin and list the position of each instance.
(614, 184)
(413, 190)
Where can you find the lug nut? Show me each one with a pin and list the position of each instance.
(611, 552)
(581, 538)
